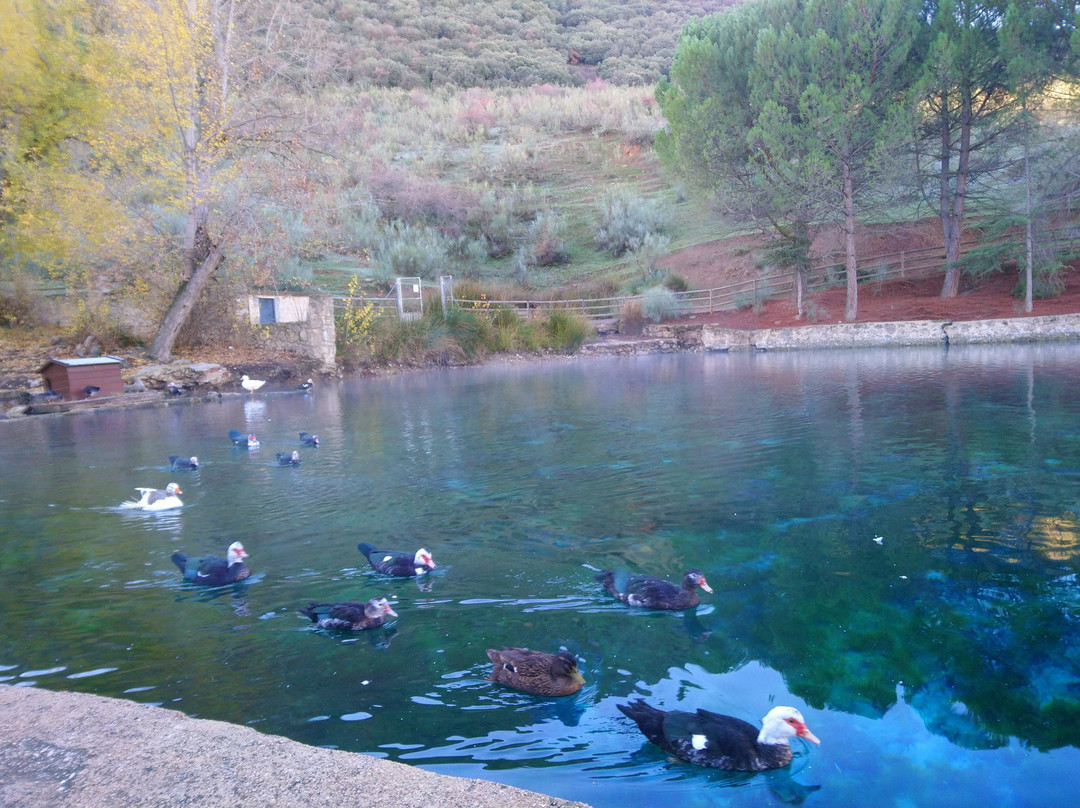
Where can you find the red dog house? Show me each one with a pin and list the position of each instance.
(76, 379)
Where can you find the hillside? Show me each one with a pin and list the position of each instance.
(497, 43)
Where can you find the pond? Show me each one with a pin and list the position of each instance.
(891, 537)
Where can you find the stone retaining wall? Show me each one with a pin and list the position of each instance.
(869, 335)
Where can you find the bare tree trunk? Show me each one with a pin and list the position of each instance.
(851, 304)
(1029, 270)
(952, 216)
(183, 303)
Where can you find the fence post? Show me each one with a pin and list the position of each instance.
(902, 256)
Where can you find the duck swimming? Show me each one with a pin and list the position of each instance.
(536, 672)
(177, 462)
(286, 459)
(156, 499)
(650, 592)
(214, 570)
(349, 615)
(238, 438)
(722, 741)
(391, 562)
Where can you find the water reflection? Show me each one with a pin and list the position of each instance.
(891, 537)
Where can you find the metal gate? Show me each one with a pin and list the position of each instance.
(410, 298)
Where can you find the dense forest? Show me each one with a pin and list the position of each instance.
(161, 157)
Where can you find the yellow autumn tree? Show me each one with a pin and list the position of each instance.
(152, 192)
(48, 212)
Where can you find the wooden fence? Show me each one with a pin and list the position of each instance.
(907, 264)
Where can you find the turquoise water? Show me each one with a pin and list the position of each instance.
(892, 538)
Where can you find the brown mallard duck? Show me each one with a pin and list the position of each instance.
(536, 672)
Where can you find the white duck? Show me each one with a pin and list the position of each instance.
(156, 499)
(251, 385)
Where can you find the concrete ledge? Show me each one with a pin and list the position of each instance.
(83, 751)
(902, 334)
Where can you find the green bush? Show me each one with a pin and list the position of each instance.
(565, 330)
(411, 251)
(659, 303)
(626, 221)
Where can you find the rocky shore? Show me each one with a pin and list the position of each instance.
(74, 750)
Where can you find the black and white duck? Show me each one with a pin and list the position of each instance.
(214, 570)
(238, 438)
(305, 386)
(309, 440)
(287, 459)
(349, 615)
(156, 499)
(722, 741)
(392, 562)
(536, 672)
(177, 462)
(650, 592)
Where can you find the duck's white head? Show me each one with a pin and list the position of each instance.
(172, 489)
(423, 559)
(783, 723)
(236, 553)
(377, 606)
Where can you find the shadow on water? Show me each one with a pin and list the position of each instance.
(892, 539)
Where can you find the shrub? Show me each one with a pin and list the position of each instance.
(411, 251)
(566, 330)
(17, 303)
(659, 303)
(626, 220)
(356, 321)
(631, 320)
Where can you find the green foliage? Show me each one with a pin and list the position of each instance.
(658, 303)
(355, 321)
(498, 43)
(566, 330)
(628, 222)
(406, 250)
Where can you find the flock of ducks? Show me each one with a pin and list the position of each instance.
(703, 738)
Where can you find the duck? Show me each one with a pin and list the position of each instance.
(156, 499)
(349, 615)
(536, 672)
(214, 570)
(251, 385)
(90, 391)
(177, 462)
(722, 741)
(305, 386)
(309, 440)
(654, 593)
(238, 438)
(174, 390)
(286, 459)
(391, 562)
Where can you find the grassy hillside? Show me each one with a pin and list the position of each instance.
(509, 186)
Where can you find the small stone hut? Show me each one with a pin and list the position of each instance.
(75, 379)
